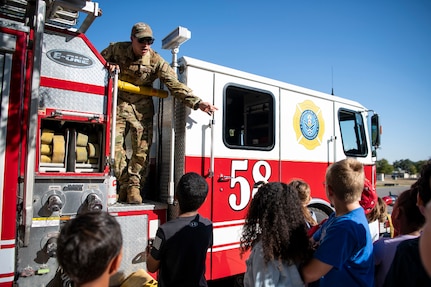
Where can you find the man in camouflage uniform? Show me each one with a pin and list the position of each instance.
(140, 65)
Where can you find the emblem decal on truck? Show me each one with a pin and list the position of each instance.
(308, 124)
(70, 59)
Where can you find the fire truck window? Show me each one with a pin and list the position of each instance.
(248, 118)
(352, 133)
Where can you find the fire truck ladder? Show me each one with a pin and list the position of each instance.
(63, 14)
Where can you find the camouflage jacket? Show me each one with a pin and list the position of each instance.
(143, 71)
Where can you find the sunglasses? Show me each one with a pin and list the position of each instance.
(146, 40)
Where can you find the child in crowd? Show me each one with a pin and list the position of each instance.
(406, 268)
(180, 247)
(375, 209)
(304, 193)
(90, 248)
(407, 221)
(344, 254)
(275, 231)
(425, 241)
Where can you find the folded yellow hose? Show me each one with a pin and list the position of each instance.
(93, 150)
(141, 90)
(58, 149)
(139, 278)
(81, 140)
(45, 149)
(81, 154)
(45, 158)
(46, 137)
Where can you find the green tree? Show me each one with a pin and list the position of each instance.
(412, 169)
(383, 166)
(419, 165)
(405, 165)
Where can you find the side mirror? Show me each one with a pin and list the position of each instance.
(375, 131)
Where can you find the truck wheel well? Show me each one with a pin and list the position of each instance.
(321, 211)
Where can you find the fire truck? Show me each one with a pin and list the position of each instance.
(56, 122)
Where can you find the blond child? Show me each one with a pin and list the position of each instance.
(344, 255)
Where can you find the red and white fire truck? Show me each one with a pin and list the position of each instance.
(55, 143)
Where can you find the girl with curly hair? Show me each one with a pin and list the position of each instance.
(276, 233)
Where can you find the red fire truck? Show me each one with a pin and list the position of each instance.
(55, 143)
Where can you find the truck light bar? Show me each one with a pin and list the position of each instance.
(178, 36)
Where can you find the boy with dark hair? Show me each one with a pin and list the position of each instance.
(344, 256)
(407, 268)
(407, 221)
(90, 248)
(425, 241)
(180, 246)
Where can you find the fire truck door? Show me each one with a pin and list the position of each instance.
(10, 48)
(352, 133)
(246, 151)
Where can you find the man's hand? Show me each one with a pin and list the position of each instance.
(207, 108)
(112, 67)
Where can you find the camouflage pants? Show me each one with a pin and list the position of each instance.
(134, 116)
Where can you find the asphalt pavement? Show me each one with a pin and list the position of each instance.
(394, 187)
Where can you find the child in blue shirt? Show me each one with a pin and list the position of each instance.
(344, 254)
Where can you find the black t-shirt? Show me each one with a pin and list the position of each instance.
(181, 246)
(407, 268)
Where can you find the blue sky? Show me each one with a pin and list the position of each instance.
(376, 52)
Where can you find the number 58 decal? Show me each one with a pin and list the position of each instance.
(239, 202)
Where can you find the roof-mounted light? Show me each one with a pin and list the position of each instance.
(178, 36)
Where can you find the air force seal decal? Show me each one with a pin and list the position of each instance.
(308, 124)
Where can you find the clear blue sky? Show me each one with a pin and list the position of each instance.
(375, 52)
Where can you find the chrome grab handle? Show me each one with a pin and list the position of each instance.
(224, 178)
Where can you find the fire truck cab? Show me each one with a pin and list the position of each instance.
(55, 144)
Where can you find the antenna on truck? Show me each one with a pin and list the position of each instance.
(332, 80)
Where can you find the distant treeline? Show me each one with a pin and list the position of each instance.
(406, 165)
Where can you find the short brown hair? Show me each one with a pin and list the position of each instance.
(346, 179)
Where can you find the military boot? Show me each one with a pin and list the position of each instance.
(134, 195)
(122, 193)
(123, 185)
(134, 190)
